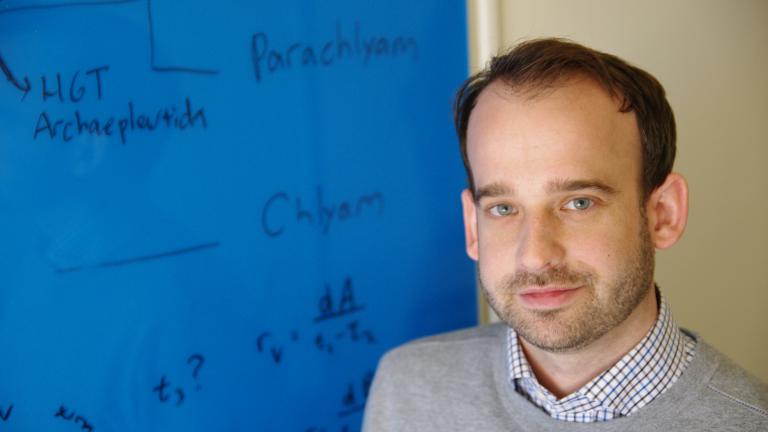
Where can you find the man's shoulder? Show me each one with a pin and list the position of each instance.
(485, 333)
(735, 387)
(455, 346)
(714, 393)
(445, 369)
(443, 382)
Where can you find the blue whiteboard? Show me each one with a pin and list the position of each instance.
(218, 215)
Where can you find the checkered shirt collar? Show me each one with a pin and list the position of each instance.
(644, 373)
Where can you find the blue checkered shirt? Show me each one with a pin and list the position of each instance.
(644, 373)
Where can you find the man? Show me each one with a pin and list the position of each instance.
(568, 153)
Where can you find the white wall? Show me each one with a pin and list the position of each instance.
(712, 57)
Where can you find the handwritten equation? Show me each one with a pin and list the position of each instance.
(352, 401)
(167, 392)
(331, 307)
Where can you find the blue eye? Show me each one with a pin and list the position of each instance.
(502, 210)
(579, 204)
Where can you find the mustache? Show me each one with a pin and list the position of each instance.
(554, 276)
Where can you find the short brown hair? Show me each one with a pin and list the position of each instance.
(540, 64)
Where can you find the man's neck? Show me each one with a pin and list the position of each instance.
(563, 373)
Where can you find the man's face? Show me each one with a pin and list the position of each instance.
(556, 225)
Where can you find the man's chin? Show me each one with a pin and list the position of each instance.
(551, 330)
(556, 345)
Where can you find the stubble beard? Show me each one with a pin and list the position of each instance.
(581, 324)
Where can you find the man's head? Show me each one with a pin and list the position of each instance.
(569, 153)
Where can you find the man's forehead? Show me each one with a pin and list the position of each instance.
(574, 131)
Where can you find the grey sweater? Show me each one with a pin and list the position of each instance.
(459, 382)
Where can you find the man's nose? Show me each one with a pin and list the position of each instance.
(539, 244)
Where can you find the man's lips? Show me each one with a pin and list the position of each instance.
(548, 297)
(546, 290)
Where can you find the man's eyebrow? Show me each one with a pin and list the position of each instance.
(492, 190)
(566, 185)
(560, 185)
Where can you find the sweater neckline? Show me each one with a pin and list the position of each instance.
(696, 376)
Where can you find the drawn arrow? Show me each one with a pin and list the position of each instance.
(12, 79)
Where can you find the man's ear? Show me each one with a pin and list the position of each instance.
(667, 211)
(470, 223)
